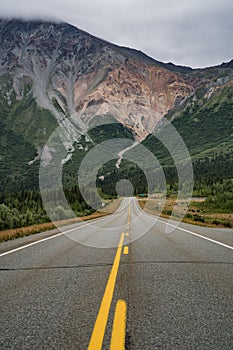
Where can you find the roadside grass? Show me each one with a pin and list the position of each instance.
(194, 215)
(7, 235)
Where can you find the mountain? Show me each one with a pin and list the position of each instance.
(55, 74)
(67, 71)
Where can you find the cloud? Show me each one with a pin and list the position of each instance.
(185, 32)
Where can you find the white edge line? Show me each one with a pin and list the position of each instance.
(198, 235)
(102, 219)
(190, 232)
(54, 236)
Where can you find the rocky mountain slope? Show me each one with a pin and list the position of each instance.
(67, 71)
(55, 74)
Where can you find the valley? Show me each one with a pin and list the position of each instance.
(116, 188)
(105, 92)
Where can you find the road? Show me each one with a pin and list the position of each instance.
(144, 289)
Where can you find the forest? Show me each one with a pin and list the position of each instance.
(213, 177)
(26, 207)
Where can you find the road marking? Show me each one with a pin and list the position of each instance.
(190, 232)
(102, 318)
(126, 250)
(198, 235)
(119, 327)
(54, 236)
(127, 234)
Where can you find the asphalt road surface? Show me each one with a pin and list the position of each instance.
(119, 282)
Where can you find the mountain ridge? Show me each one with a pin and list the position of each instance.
(54, 74)
(66, 64)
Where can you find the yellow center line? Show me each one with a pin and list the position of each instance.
(119, 327)
(102, 318)
(127, 234)
(126, 250)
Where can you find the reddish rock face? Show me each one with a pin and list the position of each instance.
(77, 76)
(138, 95)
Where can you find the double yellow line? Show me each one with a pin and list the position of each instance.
(97, 337)
(119, 323)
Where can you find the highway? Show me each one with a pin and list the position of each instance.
(119, 282)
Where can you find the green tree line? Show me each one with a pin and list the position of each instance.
(25, 208)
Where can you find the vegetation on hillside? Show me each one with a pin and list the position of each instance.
(205, 124)
(24, 127)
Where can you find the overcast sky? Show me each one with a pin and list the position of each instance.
(197, 33)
